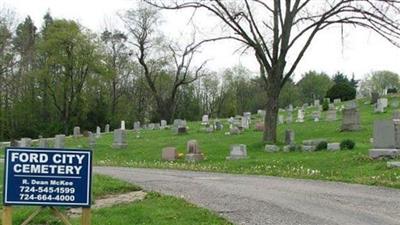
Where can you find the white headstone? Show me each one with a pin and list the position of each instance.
(122, 124)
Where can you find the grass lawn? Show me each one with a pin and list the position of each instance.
(353, 166)
(154, 210)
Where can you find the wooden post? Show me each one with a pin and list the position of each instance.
(86, 216)
(7, 215)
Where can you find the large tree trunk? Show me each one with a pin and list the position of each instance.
(273, 89)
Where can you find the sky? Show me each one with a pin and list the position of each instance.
(360, 53)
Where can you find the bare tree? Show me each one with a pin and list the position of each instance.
(152, 54)
(279, 32)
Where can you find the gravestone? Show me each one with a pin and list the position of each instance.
(337, 101)
(316, 116)
(92, 140)
(300, 116)
(331, 115)
(234, 131)
(260, 126)
(77, 132)
(107, 128)
(316, 103)
(204, 120)
(238, 151)
(333, 146)
(163, 124)
(261, 113)
(218, 125)
(169, 154)
(247, 115)
(43, 143)
(151, 126)
(25, 142)
(59, 141)
(385, 139)
(122, 124)
(384, 102)
(119, 139)
(193, 151)
(350, 118)
(136, 125)
(98, 132)
(271, 148)
(245, 122)
(156, 126)
(289, 137)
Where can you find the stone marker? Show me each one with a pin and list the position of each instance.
(234, 131)
(136, 126)
(271, 148)
(92, 140)
(314, 142)
(98, 132)
(261, 113)
(107, 128)
(289, 137)
(393, 164)
(25, 143)
(193, 151)
(289, 118)
(385, 138)
(163, 124)
(237, 151)
(245, 122)
(308, 148)
(204, 120)
(316, 116)
(331, 115)
(260, 126)
(119, 139)
(333, 146)
(59, 141)
(77, 132)
(43, 143)
(351, 119)
(300, 116)
(247, 115)
(316, 103)
(337, 101)
(169, 154)
(218, 125)
(122, 124)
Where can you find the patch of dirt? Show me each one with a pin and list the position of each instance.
(110, 201)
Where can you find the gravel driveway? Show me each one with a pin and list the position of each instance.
(244, 199)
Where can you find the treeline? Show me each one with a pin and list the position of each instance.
(61, 75)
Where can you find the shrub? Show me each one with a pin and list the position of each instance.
(325, 105)
(392, 91)
(343, 91)
(321, 146)
(347, 144)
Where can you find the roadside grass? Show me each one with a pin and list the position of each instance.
(154, 209)
(353, 166)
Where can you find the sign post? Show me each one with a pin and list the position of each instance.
(47, 178)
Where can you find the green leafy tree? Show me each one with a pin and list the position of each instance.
(314, 86)
(71, 60)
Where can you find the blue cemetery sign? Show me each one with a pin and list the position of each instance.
(47, 177)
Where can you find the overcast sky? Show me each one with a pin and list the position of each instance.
(361, 53)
